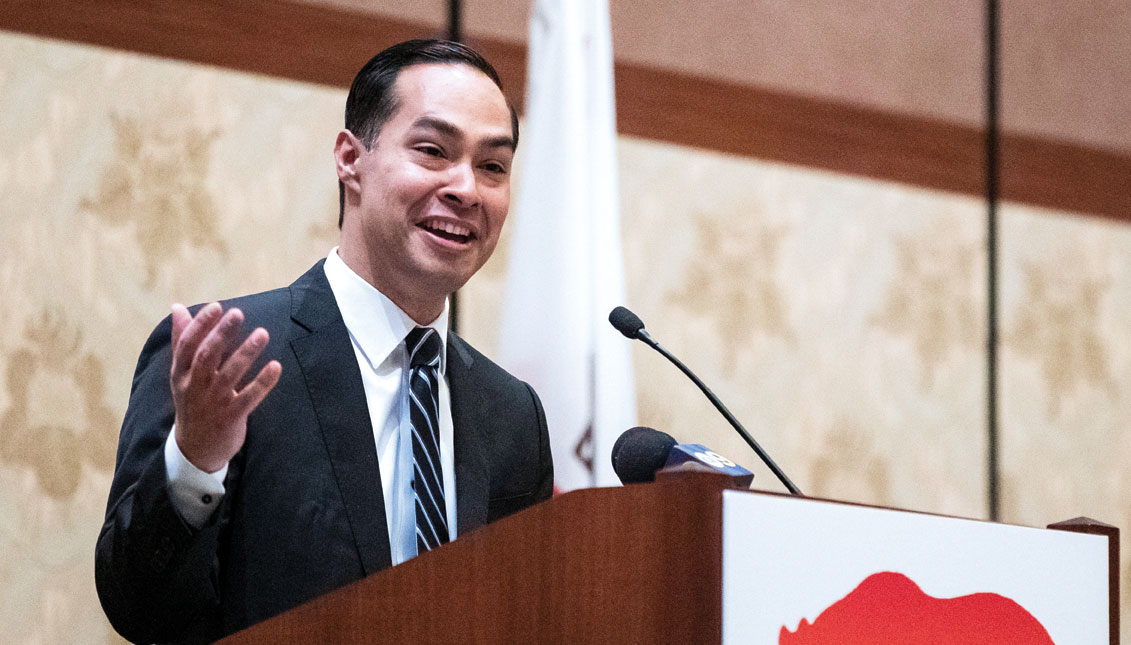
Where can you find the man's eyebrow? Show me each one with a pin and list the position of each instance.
(450, 129)
(446, 128)
(500, 142)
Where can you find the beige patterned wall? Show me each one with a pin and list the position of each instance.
(841, 318)
(1066, 366)
(126, 183)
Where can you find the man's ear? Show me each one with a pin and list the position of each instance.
(347, 151)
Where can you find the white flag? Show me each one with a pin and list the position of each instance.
(566, 271)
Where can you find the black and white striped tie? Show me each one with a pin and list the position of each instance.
(424, 346)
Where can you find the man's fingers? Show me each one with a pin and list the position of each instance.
(181, 318)
(252, 395)
(191, 335)
(217, 343)
(233, 369)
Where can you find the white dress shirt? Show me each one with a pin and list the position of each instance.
(377, 329)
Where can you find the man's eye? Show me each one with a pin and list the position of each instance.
(431, 151)
(495, 168)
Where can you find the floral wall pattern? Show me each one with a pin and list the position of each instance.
(829, 312)
(841, 318)
(126, 183)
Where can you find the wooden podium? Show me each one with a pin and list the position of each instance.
(682, 561)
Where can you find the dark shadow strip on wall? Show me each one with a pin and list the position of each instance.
(326, 46)
(993, 181)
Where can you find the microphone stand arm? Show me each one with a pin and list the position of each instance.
(646, 338)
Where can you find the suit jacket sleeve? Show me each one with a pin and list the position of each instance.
(543, 481)
(155, 574)
(545, 488)
(503, 458)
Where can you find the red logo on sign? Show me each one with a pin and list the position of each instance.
(890, 608)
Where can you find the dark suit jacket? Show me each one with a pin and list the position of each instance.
(303, 513)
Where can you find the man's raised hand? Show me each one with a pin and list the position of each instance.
(211, 413)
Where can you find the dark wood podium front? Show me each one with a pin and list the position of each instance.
(633, 564)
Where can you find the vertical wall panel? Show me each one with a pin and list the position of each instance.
(1066, 274)
(126, 183)
(1066, 362)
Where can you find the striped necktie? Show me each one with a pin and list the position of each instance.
(423, 345)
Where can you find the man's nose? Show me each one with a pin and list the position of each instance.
(462, 187)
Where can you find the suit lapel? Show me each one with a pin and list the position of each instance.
(329, 369)
(472, 480)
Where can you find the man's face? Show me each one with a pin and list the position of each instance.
(431, 195)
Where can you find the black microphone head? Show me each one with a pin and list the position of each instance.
(626, 323)
(639, 452)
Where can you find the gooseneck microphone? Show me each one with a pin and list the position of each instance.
(632, 327)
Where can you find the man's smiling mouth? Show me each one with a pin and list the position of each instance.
(448, 230)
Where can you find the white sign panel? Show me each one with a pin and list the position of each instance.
(798, 571)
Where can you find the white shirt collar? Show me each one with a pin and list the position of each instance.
(375, 322)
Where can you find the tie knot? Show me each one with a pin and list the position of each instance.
(423, 345)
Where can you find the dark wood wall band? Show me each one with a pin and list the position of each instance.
(296, 41)
(327, 46)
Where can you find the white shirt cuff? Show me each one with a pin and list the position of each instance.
(195, 493)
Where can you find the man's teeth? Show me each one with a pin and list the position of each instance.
(450, 228)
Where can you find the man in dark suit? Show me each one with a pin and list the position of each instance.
(256, 472)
